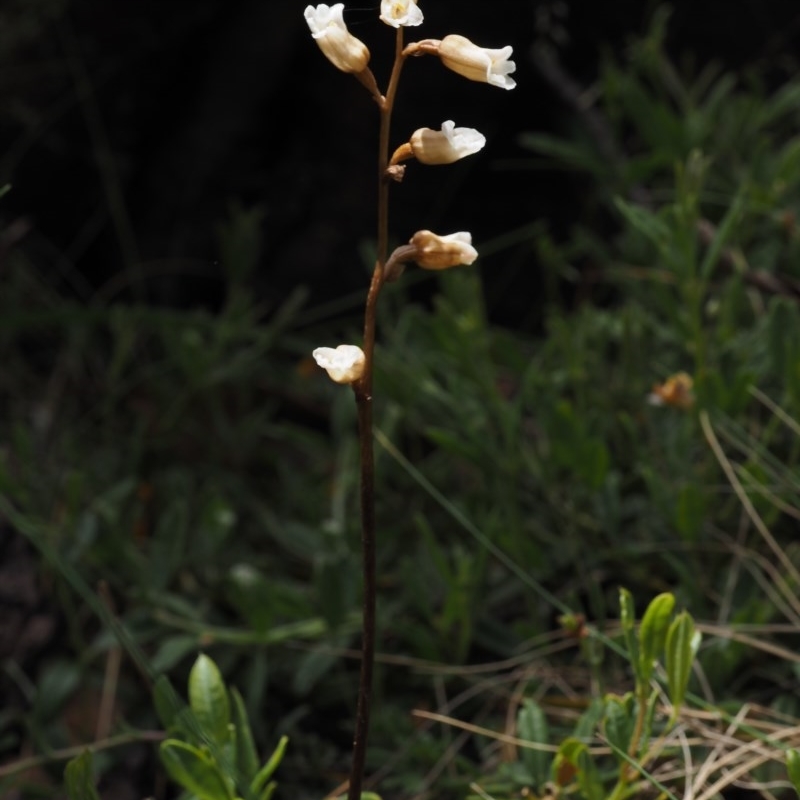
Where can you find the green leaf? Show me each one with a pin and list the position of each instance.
(532, 727)
(723, 233)
(653, 634)
(682, 644)
(194, 770)
(587, 723)
(571, 155)
(79, 778)
(266, 771)
(793, 768)
(594, 462)
(619, 720)
(208, 699)
(246, 755)
(690, 512)
(647, 223)
(314, 665)
(627, 618)
(172, 650)
(573, 761)
(269, 790)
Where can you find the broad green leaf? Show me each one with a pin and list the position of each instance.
(587, 724)
(208, 699)
(194, 770)
(619, 720)
(532, 727)
(681, 647)
(653, 633)
(246, 755)
(573, 762)
(79, 779)
(627, 618)
(793, 768)
(265, 773)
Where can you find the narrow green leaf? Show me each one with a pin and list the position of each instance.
(682, 644)
(246, 754)
(269, 790)
(79, 778)
(266, 771)
(723, 234)
(627, 618)
(532, 727)
(194, 770)
(208, 699)
(653, 633)
(793, 768)
(690, 512)
(166, 701)
(647, 223)
(625, 758)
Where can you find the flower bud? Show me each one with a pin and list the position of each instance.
(445, 146)
(399, 13)
(345, 364)
(477, 63)
(340, 47)
(676, 391)
(441, 252)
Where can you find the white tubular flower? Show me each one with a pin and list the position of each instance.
(340, 47)
(477, 63)
(442, 252)
(401, 13)
(345, 364)
(445, 146)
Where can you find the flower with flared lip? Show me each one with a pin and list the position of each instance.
(477, 63)
(447, 145)
(442, 252)
(345, 364)
(340, 47)
(401, 13)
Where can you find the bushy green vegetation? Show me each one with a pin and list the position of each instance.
(189, 482)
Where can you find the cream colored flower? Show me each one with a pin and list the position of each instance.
(345, 364)
(447, 145)
(340, 47)
(399, 13)
(441, 252)
(477, 63)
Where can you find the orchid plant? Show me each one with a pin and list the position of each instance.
(351, 364)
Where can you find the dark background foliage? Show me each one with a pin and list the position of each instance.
(129, 127)
(171, 453)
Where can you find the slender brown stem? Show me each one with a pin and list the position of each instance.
(363, 392)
